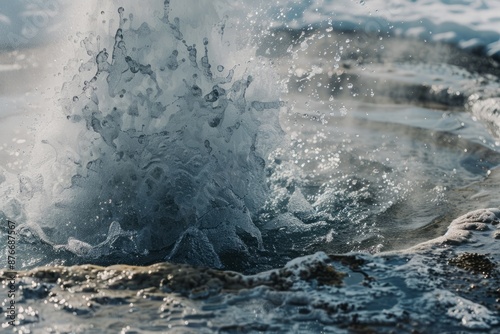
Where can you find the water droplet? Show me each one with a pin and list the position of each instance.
(350, 85)
(75, 98)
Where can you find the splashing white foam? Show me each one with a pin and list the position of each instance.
(164, 130)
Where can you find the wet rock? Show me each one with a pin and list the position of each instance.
(477, 263)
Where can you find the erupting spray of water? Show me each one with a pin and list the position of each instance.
(161, 144)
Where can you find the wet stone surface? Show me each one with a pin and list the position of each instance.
(477, 263)
(405, 293)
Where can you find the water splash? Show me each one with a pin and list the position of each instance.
(153, 151)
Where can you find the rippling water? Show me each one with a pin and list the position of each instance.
(250, 137)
